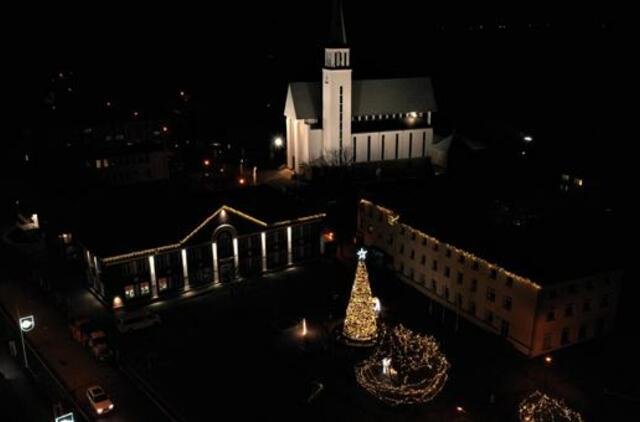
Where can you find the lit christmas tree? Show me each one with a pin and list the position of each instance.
(360, 326)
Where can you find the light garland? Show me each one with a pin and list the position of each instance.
(178, 245)
(393, 218)
(406, 368)
(539, 407)
(360, 325)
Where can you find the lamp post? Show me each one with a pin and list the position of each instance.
(27, 324)
(548, 360)
(276, 146)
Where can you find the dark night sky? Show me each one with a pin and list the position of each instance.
(236, 59)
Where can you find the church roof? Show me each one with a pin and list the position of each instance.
(369, 97)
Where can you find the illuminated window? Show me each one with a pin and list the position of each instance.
(163, 283)
(144, 288)
(129, 292)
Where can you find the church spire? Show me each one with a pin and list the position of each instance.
(337, 31)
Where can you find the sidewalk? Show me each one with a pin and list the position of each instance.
(20, 399)
(67, 358)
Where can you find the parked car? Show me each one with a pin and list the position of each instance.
(80, 329)
(130, 321)
(99, 346)
(100, 402)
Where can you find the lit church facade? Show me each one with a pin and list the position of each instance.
(340, 121)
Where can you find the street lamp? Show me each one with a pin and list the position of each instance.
(548, 360)
(27, 324)
(65, 418)
(278, 142)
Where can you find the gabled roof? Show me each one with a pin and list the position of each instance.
(369, 97)
(163, 215)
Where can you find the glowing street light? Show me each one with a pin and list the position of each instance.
(165, 129)
(278, 142)
(65, 418)
(206, 162)
(527, 138)
(304, 327)
(26, 324)
(548, 360)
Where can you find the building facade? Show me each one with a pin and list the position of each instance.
(535, 318)
(339, 121)
(229, 245)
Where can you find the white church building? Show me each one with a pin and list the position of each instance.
(340, 121)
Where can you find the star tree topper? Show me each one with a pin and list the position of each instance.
(362, 254)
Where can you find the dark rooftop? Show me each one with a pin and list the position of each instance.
(546, 236)
(131, 218)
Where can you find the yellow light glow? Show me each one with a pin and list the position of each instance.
(539, 407)
(393, 218)
(406, 368)
(304, 327)
(117, 302)
(360, 324)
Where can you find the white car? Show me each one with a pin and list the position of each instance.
(137, 320)
(99, 400)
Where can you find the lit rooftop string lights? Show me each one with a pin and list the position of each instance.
(406, 368)
(539, 407)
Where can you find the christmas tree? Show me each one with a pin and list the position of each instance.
(360, 324)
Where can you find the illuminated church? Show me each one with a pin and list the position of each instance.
(340, 121)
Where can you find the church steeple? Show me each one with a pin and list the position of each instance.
(336, 93)
(336, 53)
(337, 31)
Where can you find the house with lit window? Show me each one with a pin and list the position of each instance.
(543, 280)
(339, 121)
(165, 240)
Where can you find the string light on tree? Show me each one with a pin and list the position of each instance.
(406, 368)
(539, 407)
(360, 325)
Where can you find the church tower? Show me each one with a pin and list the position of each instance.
(336, 93)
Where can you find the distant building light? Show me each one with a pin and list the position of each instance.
(579, 182)
(26, 157)
(182, 93)
(135, 114)
(278, 142)
(527, 138)
(165, 129)
(117, 302)
(108, 104)
(524, 152)
(413, 115)
(241, 181)
(206, 162)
